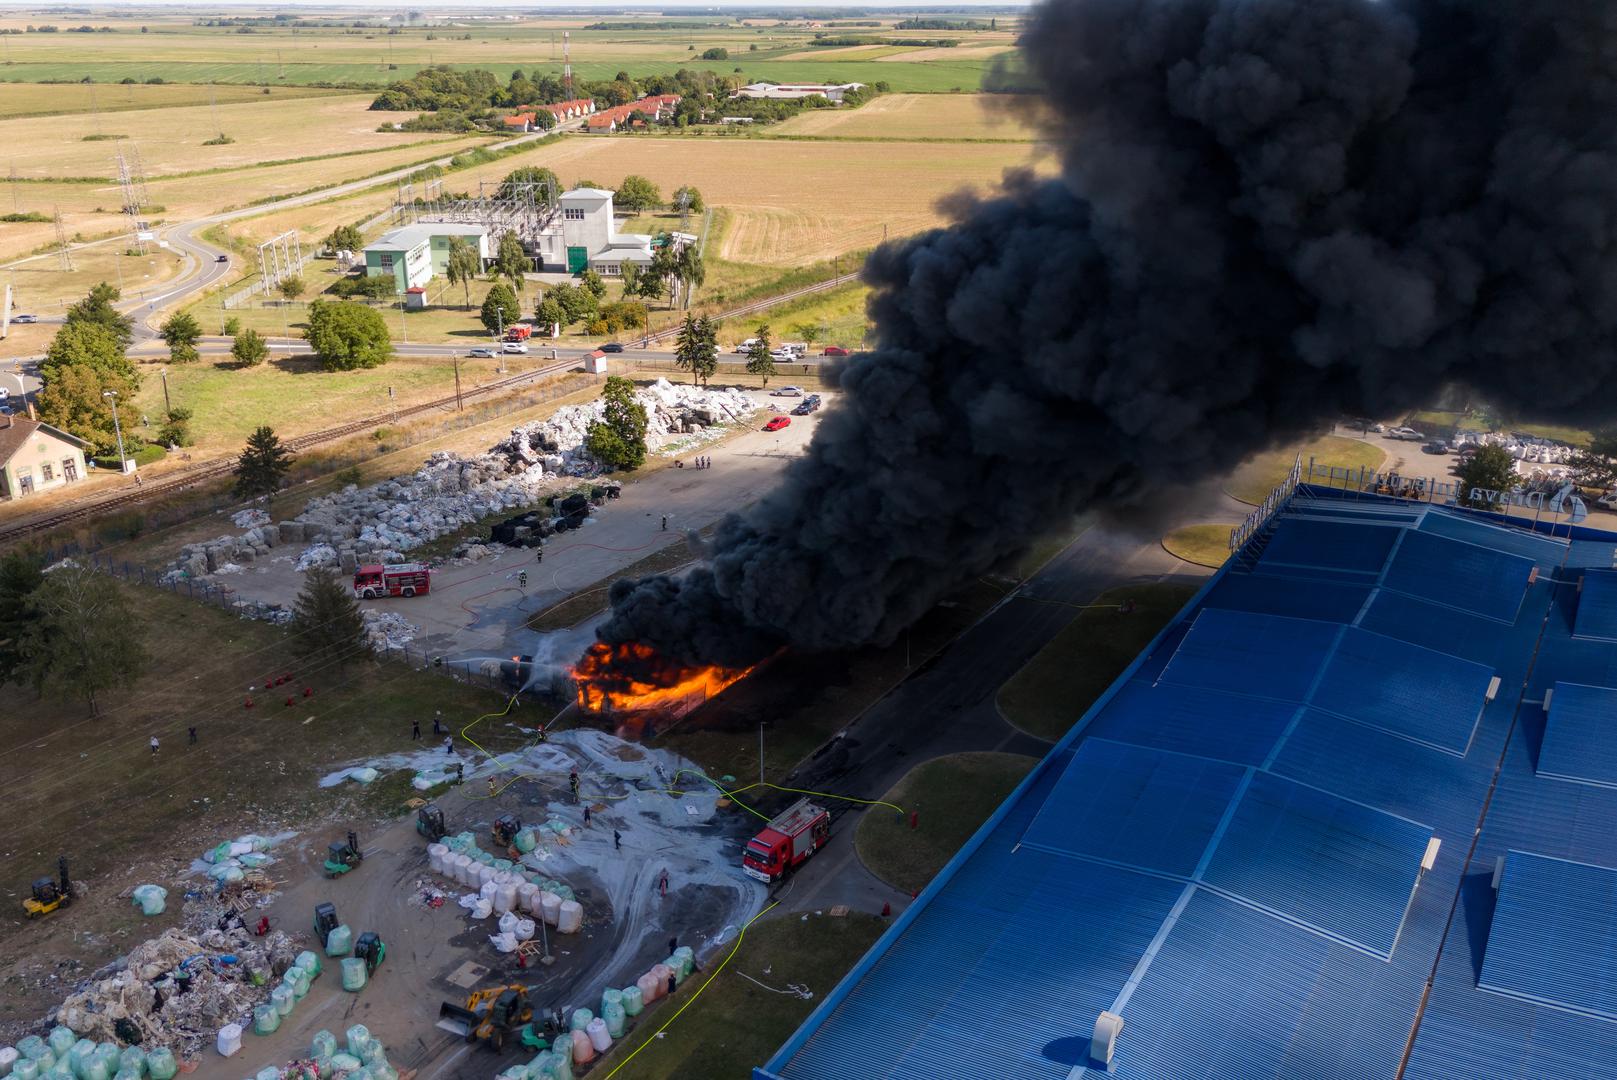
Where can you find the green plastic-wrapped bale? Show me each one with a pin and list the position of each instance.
(266, 1019)
(160, 1063)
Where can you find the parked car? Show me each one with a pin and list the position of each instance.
(834, 350)
(1408, 434)
(1436, 446)
(807, 405)
(25, 318)
(514, 347)
(783, 354)
(481, 350)
(778, 422)
(1608, 500)
(787, 391)
(612, 346)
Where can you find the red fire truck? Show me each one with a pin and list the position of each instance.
(395, 579)
(787, 842)
(519, 332)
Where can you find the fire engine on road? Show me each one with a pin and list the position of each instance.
(394, 579)
(787, 842)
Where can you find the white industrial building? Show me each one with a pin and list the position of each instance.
(790, 91)
(412, 254)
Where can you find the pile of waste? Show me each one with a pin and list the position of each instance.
(389, 630)
(379, 523)
(229, 862)
(360, 1055)
(179, 989)
(63, 1053)
(508, 889)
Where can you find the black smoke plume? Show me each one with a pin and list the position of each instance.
(1268, 213)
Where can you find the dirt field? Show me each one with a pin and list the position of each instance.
(170, 140)
(41, 286)
(914, 116)
(34, 99)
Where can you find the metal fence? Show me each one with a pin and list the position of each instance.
(1257, 519)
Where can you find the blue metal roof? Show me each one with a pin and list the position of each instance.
(1597, 606)
(1227, 848)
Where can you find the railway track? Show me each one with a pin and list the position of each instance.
(764, 304)
(190, 475)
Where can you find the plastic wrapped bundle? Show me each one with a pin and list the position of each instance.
(92, 1068)
(562, 891)
(687, 959)
(283, 999)
(543, 1066)
(160, 1063)
(61, 1040)
(485, 873)
(353, 974)
(309, 961)
(132, 1058)
(459, 867)
(297, 980)
(583, 1049)
(487, 890)
(505, 896)
(515, 1072)
(340, 942)
(650, 988)
(82, 1051)
(599, 1038)
(570, 917)
(526, 841)
(253, 860)
(227, 874)
(581, 1019)
(381, 1070)
(25, 1069)
(612, 1012)
(8, 1059)
(528, 898)
(633, 1000)
(345, 1063)
(356, 1040)
(32, 1047)
(127, 1074)
(524, 929)
(435, 857)
(229, 1041)
(482, 858)
(266, 1019)
(502, 865)
(364, 775)
(323, 1045)
(508, 923)
(550, 908)
(268, 1073)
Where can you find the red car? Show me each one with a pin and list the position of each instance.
(834, 350)
(778, 422)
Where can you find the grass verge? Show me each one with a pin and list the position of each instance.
(952, 797)
(1256, 478)
(734, 1024)
(1065, 677)
(1204, 545)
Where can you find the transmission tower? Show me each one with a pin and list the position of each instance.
(62, 252)
(567, 62)
(132, 182)
(14, 206)
(684, 204)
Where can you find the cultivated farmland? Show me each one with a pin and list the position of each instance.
(963, 117)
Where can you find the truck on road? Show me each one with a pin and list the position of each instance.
(394, 579)
(519, 332)
(786, 842)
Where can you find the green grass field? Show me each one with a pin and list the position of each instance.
(734, 1024)
(953, 796)
(1065, 677)
(1204, 545)
(1254, 480)
(838, 312)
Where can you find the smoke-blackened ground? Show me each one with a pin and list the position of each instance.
(1270, 212)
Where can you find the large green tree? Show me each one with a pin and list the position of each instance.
(690, 271)
(262, 465)
(548, 313)
(20, 575)
(326, 622)
(73, 400)
(636, 194)
(631, 280)
(511, 262)
(348, 336)
(82, 642)
(576, 304)
(618, 439)
(1491, 468)
(687, 198)
(97, 308)
(696, 348)
(759, 362)
(529, 174)
(591, 282)
(181, 332)
(500, 308)
(249, 348)
(463, 266)
(88, 344)
(344, 238)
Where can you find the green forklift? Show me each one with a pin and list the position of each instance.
(325, 921)
(343, 856)
(429, 822)
(505, 830)
(369, 948)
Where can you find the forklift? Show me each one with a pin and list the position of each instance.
(369, 948)
(505, 830)
(490, 1015)
(50, 895)
(325, 921)
(344, 856)
(429, 822)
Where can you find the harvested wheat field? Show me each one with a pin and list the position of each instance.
(170, 140)
(914, 116)
(55, 99)
(961, 52)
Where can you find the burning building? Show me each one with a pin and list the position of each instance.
(634, 679)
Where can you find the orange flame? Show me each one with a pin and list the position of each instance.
(632, 677)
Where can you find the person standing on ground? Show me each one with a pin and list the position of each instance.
(665, 523)
(492, 788)
(449, 744)
(673, 943)
(154, 746)
(586, 817)
(617, 840)
(672, 983)
(415, 731)
(193, 735)
(662, 884)
(437, 723)
(572, 781)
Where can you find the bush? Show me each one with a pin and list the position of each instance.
(377, 288)
(144, 454)
(716, 54)
(348, 336)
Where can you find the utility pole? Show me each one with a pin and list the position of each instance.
(760, 753)
(394, 403)
(458, 405)
(117, 429)
(163, 374)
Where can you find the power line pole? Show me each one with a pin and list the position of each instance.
(63, 254)
(458, 405)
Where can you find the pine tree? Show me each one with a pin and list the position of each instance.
(689, 346)
(20, 576)
(759, 362)
(262, 465)
(81, 641)
(182, 333)
(710, 352)
(326, 621)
